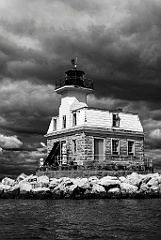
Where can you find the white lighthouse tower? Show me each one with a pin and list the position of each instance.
(73, 89)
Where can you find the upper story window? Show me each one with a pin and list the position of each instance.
(131, 148)
(115, 120)
(54, 123)
(64, 121)
(74, 119)
(115, 147)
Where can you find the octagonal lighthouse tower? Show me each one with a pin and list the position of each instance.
(73, 89)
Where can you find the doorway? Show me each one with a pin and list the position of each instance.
(98, 149)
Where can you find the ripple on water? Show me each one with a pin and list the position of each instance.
(80, 219)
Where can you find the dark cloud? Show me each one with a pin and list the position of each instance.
(14, 163)
(27, 107)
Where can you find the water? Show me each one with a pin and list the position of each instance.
(80, 219)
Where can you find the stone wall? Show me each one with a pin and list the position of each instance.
(79, 155)
(89, 146)
(138, 147)
(80, 147)
(89, 149)
(85, 146)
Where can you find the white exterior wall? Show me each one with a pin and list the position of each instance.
(74, 99)
(98, 118)
(71, 100)
(50, 129)
(130, 122)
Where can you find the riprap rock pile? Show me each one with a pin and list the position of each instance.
(132, 186)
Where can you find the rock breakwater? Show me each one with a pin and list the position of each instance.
(132, 186)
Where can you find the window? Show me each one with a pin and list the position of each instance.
(115, 147)
(131, 148)
(116, 120)
(55, 123)
(74, 146)
(74, 119)
(64, 121)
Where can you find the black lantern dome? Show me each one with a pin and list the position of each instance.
(74, 77)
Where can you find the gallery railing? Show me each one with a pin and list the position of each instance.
(76, 81)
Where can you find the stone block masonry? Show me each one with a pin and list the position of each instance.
(80, 147)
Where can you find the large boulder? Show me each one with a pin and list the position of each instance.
(155, 191)
(128, 190)
(65, 188)
(98, 190)
(134, 179)
(109, 182)
(41, 193)
(93, 179)
(95, 191)
(114, 192)
(33, 180)
(7, 191)
(53, 183)
(122, 179)
(66, 181)
(21, 177)
(4, 187)
(43, 180)
(146, 178)
(8, 181)
(150, 185)
(25, 189)
(59, 191)
(153, 182)
(71, 191)
(83, 183)
(149, 190)
(13, 192)
(88, 193)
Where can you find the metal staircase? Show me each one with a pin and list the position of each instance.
(53, 153)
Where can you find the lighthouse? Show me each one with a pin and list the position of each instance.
(73, 89)
(83, 136)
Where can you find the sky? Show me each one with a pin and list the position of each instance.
(118, 46)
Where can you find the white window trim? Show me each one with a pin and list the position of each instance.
(119, 147)
(130, 140)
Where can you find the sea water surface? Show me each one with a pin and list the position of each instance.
(80, 219)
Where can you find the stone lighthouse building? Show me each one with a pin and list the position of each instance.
(81, 135)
